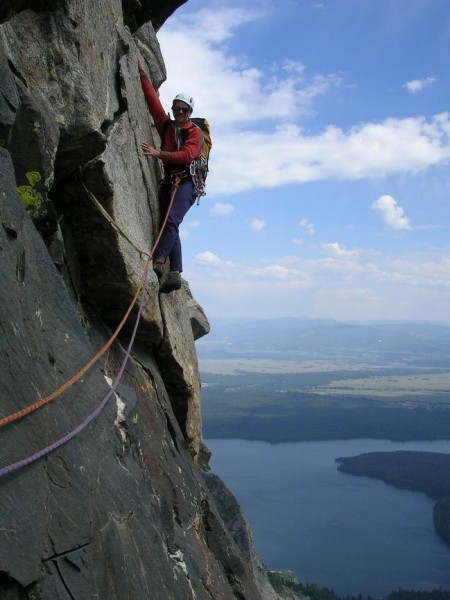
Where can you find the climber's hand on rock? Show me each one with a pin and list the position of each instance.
(150, 150)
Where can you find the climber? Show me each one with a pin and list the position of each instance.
(177, 152)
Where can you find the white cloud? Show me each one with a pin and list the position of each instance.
(392, 214)
(271, 142)
(344, 284)
(209, 258)
(278, 92)
(336, 250)
(294, 66)
(257, 224)
(309, 227)
(264, 137)
(214, 26)
(221, 209)
(187, 227)
(418, 85)
(367, 269)
(288, 156)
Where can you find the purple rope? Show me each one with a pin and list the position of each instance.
(26, 461)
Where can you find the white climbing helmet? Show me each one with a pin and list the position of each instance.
(186, 98)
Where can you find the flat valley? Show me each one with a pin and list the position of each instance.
(293, 380)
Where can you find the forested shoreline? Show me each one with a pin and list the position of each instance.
(426, 472)
(315, 592)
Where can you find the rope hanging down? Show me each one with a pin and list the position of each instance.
(26, 461)
(110, 220)
(141, 288)
(43, 401)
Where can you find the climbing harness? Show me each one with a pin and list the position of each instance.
(196, 170)
(140, 290)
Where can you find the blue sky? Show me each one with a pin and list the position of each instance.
(328, 194)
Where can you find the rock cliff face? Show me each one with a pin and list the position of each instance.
(119, 505)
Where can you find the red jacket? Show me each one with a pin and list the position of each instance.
(192, 145)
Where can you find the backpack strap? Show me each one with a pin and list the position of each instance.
(184, 132)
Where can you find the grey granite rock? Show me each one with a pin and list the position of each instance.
(112, 503)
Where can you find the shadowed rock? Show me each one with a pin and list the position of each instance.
(111, 503)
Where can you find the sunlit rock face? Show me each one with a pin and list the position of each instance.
(117, 506)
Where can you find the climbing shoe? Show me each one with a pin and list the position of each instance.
(170, 283)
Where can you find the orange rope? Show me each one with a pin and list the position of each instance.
(25, 411)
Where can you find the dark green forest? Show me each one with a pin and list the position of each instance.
(282, 580)
(287, 408)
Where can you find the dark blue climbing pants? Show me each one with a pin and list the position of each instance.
(170, 244)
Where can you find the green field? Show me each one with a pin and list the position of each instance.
(279, 400)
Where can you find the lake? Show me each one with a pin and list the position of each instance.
(352, 534)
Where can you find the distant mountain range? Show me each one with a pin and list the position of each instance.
(413, 342)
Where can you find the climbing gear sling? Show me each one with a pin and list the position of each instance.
(197, 169)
